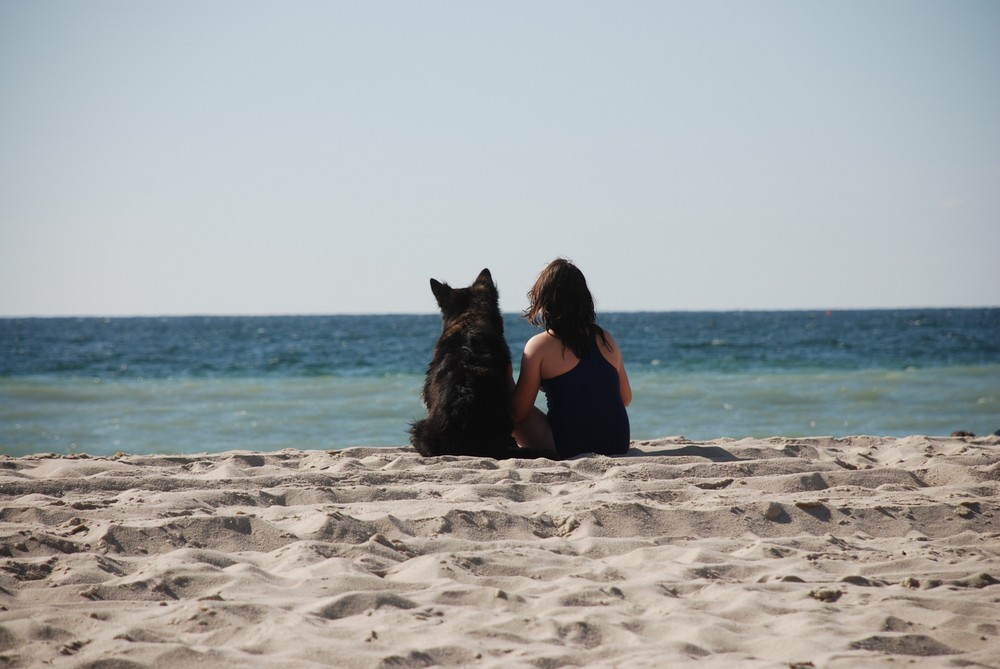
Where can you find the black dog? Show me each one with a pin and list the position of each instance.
(467, 386)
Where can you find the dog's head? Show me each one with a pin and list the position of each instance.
(482, 297)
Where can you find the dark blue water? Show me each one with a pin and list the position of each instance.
(207, 384)
(379, 345)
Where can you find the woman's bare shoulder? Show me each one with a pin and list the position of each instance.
(543, 342)
(611, 351)
(610, 339)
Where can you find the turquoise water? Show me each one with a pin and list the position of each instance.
(205, 414)
(209, 384)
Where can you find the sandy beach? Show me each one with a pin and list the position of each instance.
(809, 552)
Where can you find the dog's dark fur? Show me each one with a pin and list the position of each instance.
(467, 386)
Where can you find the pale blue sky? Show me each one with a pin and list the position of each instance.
(329, 157)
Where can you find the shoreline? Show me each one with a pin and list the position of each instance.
(776, 552)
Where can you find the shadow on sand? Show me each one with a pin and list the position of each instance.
(713, 453)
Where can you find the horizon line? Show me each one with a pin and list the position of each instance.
(318, 314)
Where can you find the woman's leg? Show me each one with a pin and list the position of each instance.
(535, 432)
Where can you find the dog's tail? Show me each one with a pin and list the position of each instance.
(420, 438)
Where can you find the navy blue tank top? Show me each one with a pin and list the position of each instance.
(585, 406)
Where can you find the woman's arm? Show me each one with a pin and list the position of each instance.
(529, 380)
(619, 362)
(624, 385)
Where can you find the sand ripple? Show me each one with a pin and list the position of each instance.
(814, 552)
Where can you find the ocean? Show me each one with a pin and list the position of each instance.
(208, 384)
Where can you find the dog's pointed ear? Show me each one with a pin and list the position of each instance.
(442, 291)
(485, 278)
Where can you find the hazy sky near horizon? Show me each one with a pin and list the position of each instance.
(256, 157)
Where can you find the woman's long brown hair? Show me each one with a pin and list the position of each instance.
(561, 302)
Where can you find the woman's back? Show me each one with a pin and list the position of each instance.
(586, 410)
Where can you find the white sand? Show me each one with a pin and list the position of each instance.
(818, 552)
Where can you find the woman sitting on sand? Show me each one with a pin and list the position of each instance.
(579, 367)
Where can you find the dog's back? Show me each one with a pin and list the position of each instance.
(466, 389)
